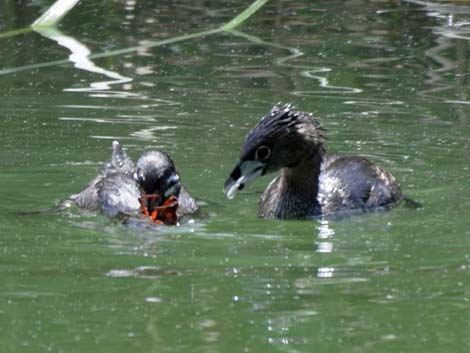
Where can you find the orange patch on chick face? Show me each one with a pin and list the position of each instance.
(165, 214)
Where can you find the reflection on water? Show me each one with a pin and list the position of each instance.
(80, 57)
(324, 235)
(148, 272)
(388, 79)
(324, 83)
(453, 18)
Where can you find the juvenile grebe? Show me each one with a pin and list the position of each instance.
(121, 188)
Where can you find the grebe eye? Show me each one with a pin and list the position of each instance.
(262, 153)
(139, 176)
(172, 180)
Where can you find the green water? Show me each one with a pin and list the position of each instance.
(389, 79)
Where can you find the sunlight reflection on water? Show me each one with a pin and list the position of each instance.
(388, 80)
(80, 57)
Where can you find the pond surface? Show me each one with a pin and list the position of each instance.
(389, 79)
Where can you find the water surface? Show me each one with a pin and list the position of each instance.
(389, 81)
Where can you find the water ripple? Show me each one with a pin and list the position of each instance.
(148, 272)
(324, 82)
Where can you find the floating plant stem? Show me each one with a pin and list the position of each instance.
(55, 13)
(15, 32)
(61, 7)
(242, 17)
(49, 18)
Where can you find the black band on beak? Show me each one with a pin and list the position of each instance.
(236, 173)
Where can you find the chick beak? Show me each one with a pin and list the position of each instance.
(148, 202)
(243, 173)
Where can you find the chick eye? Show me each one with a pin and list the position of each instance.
(172, 180)
(139, 176)
(262, 153)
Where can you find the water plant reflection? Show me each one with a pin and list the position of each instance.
(80, 57)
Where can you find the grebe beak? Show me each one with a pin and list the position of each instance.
(243, 173)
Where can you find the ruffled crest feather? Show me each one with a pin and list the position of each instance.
(282, 120)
